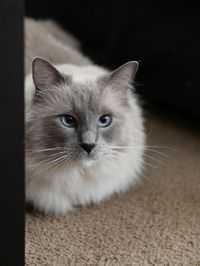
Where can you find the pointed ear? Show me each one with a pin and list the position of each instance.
(125, 73)
(44, 74)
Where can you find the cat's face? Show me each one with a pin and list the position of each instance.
(81, 122)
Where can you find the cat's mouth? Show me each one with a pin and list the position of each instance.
(87, 160)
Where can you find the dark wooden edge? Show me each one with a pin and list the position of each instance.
(12, 133)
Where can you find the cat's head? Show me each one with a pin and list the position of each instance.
(82, 120)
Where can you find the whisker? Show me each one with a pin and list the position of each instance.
(137, 148)
(49, 158)
(156, 160)
(144, 146)
(158, 152)
(146, 177)
(149, 164)
(52, 164)
(44, 150)
(117, 155)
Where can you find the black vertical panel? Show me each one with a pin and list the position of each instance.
(12, 134)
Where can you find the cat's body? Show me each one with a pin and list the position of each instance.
(84, 134)
(46, 39)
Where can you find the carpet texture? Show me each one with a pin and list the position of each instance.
(156, 223)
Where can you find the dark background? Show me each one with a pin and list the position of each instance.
(163, 36)
(12, 134)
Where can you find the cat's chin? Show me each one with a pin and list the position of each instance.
(87, 162)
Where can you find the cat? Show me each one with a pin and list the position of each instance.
(84, 132)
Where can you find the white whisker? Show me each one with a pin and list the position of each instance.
(156, 160)
(44, 150)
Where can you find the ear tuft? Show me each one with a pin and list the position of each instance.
(125, 72)
(44, 74)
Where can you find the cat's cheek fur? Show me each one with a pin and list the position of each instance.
(57, 193)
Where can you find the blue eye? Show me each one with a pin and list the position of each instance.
(68, 120)
(104, 120)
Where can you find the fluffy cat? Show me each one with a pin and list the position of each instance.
(84, 133)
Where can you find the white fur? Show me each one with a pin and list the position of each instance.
(57, 192)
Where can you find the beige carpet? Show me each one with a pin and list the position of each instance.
(155, 223)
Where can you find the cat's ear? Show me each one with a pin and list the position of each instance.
(125, 73)
(44, 74)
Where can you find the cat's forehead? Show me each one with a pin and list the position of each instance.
(93, 95)
(85, 86)
(89, 98)
(85, 95)
(83, 79)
